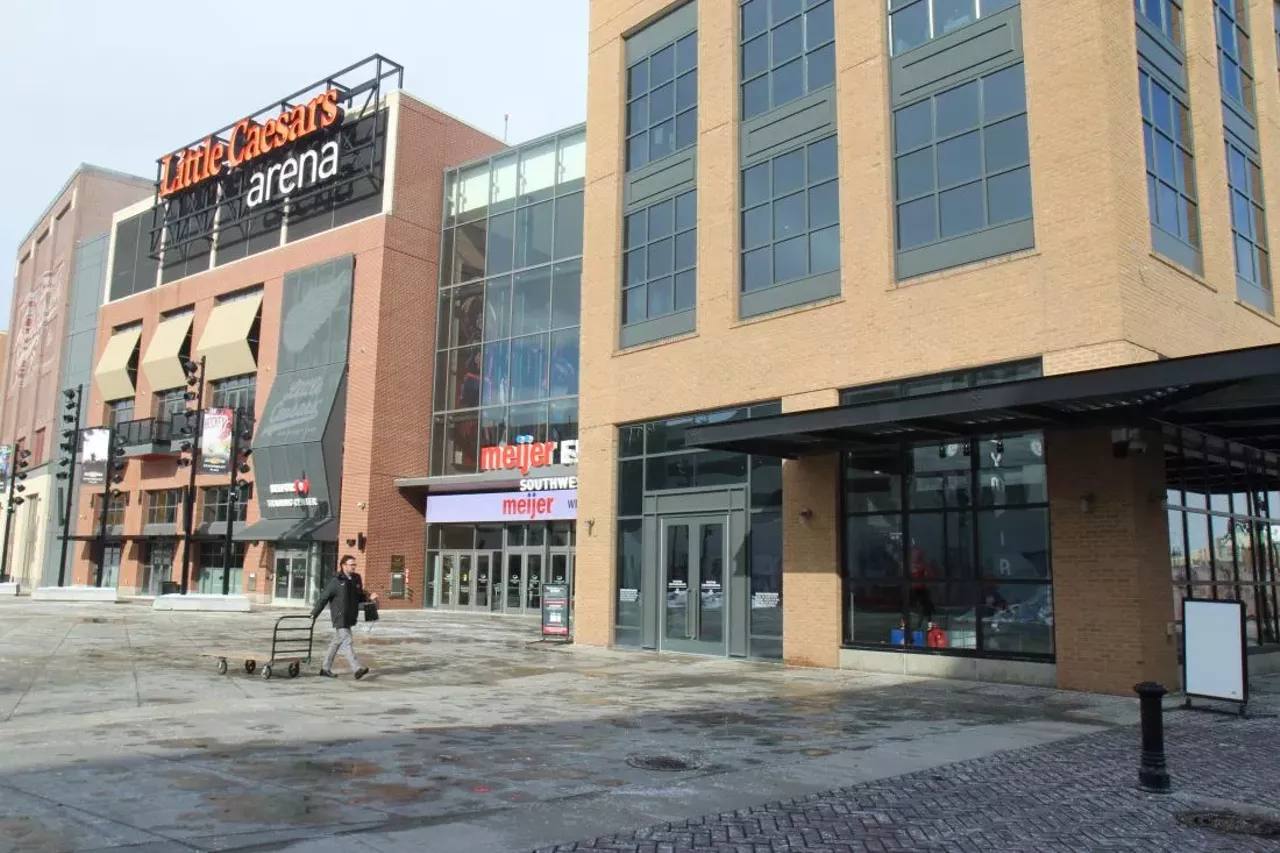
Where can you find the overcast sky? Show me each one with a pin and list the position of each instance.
(117, 84)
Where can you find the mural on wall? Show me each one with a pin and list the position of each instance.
(35, 330)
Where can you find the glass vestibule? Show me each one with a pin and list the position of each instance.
(301, 570)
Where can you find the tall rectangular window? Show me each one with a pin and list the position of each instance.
(658, 284)
(659, 267)
(509, 299)
(1167, 132)
(916, 22)
(788, 51)
(961, 147)
(1235, 58)
(1244, 158)
(791, 217)
(662, 102)
(962, 161)
(1249, 226)
(119, 412)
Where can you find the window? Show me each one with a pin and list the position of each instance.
(1223, 505)
(37, 447)
(916, 22)
(169, 403)
(653, 457)
(1244, 163)
(507, 342)
(164, 506)
(791, 217)
(134, 269)
(1235, 63)
(1171, 176)
(662, 102)
(235, 392)
(659, 268)
(216, 504)
(1164, 15)
(788, 51)
(116, 507)
(119, 412)
(962, 162)
(210, 569)
(1249, 226)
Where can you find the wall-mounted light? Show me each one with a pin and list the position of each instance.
(591, 525)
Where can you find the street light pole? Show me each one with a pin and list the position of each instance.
(233, 463)
(68, 461)
(195, 377)
(19, 462)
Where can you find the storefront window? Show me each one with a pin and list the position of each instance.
(965, 566)
(1223, 510)
(510, 302)
(654, 458)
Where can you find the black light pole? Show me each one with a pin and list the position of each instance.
(241, 429)
(71, 429)
(13, 501)
(195, 379)
(114, 475)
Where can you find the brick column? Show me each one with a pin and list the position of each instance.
(811, 550)
(1113, 601)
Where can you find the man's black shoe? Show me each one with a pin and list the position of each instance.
(362, 672)
(327, 674)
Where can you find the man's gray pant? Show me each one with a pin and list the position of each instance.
(341, 642)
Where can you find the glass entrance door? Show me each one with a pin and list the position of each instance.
(694, 556)
(469, 580)
(291, 577)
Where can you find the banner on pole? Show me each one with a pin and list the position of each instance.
(215, 441)
(95, 446)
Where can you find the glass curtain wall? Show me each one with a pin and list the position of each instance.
(653, 458)
(511, 269)
(1223, 503)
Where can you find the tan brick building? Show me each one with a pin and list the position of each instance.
(921, 256)
(53, 287)
(289, 294)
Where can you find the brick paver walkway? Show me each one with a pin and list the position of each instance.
(1070, 796)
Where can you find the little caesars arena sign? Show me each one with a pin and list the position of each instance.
(529, 455)
(249, 142)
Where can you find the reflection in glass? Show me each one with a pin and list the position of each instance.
(711, 589)
(630, 556)
(515, 580)
(1018, 619)
(765, 554)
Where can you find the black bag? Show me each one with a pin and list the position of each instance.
(371, 611)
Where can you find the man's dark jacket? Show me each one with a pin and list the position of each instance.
(344, 595)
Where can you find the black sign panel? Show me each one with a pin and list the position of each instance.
(555, 610)
(322, 148)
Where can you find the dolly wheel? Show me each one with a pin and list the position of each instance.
(222, 666)
(266, 671)
(250, 666)
(294, 669)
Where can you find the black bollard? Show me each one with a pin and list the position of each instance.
(1153, 775)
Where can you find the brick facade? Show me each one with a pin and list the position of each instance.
(390, 354)
(1090, 294)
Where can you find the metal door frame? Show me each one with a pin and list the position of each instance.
(729, 503)
(691, 643)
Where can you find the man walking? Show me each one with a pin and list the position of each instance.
(344, 594)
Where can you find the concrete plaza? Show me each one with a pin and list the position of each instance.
(469, 736)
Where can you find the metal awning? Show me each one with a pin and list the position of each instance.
(114, 378)
(225, 341)
(1233, 395)
(161, 363)
(289, 530)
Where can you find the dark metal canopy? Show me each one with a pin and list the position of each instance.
(289, 529)
(1234, 395)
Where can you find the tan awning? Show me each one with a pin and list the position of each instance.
(225, 342)
(161, 363)
(112, 372)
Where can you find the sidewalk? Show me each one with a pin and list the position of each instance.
(1073, 795)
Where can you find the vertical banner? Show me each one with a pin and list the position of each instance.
(95, 444)
(6, 451)
(215, 441)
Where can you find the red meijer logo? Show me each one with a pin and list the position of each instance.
(302, 487)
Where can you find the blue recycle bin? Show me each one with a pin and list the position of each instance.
(896, 637)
